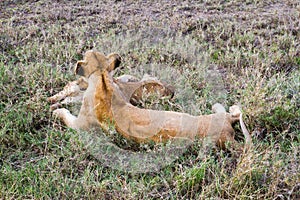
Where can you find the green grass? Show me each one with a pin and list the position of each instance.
(207, 50)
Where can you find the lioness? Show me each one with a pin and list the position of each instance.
(104, 103)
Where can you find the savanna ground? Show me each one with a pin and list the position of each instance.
(243, 52)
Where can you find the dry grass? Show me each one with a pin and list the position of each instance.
(212, 51)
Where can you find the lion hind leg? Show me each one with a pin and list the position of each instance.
(237, 115)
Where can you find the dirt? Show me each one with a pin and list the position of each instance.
(123, 15)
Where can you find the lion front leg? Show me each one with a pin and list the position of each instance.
(68, 119)
(71, 93)
(69, 89)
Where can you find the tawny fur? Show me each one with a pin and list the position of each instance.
(104, 103)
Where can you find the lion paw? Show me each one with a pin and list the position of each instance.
(60, 113)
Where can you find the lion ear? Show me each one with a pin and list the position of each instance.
(114, 61)
(79, 69)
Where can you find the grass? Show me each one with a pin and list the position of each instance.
(233, 52)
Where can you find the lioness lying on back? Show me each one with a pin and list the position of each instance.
(133, 89)
(104, 103)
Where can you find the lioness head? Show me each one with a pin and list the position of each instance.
(94, 61)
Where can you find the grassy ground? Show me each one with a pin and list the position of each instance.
(211, 51)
